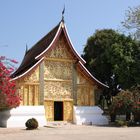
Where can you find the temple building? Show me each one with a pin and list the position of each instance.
(53, 74)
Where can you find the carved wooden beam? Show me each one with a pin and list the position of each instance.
(60, 59)
(57, 80)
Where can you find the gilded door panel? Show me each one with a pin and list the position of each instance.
(68, 111)
(49, 110)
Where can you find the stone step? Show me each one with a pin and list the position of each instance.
(57, 123)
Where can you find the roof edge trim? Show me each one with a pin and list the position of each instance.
(73, 45)
(63, 26)
(50, 43)
(17, 77)
(93, 76)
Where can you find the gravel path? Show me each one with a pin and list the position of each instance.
(71, 132)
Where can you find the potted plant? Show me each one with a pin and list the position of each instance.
(9, 98)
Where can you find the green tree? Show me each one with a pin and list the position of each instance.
(132, 21)
(111, 54)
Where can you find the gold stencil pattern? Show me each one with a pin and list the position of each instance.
(32, 77)
(60, 50)
(58, 90)
(83, 90)
(58, 70)
(49, 110)
(68, 110)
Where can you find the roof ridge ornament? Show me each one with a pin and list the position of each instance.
(63, 14)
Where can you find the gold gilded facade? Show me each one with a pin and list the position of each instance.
(57, 79)
(58, 71)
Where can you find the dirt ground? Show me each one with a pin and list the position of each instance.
(71, 132)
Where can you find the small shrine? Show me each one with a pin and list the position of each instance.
(53, 74)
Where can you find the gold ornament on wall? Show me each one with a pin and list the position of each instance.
(60, 50)
(58, 90)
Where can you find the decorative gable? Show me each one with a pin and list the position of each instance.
(61, 49)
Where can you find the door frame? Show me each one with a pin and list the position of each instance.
(62, 110)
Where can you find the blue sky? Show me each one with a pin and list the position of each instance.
(27, 21)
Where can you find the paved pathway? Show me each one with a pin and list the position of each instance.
(71, 132)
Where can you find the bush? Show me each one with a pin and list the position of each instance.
(9, 97)
(31, 124)
(133, 123)
(122, 103)
(121, 123)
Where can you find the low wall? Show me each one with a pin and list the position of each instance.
(21, 114)
(91, 115)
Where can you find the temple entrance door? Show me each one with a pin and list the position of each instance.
(58, 111)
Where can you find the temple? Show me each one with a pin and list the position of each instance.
(53, 74)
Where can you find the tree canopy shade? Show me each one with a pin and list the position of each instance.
(132, 21)
(109, 53)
